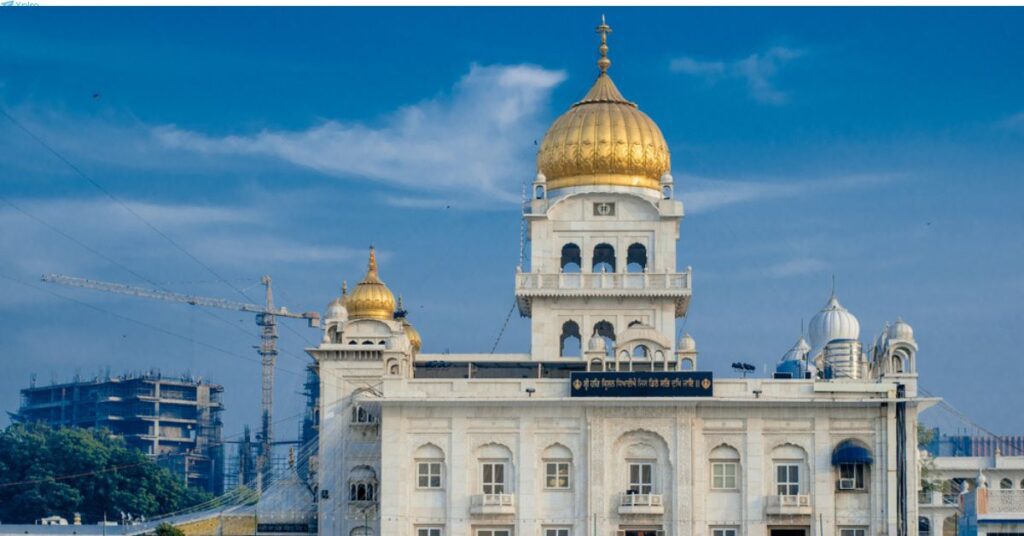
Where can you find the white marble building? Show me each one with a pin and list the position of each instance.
(952, 505)
(507, 444)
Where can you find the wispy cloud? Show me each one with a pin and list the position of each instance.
(478, 140)
(1013, 122)
(227, 237)
(702, 194)
(757, 70)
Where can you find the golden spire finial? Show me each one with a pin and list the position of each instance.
(371, 269)
(604, 30)
(400, 308)
(344, 287)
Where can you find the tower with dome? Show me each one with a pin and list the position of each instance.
(609, 425)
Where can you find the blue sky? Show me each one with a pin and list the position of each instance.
(885, 146)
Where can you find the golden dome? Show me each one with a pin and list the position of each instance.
(371, 297)
(603, 139)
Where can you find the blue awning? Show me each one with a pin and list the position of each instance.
(850, 452)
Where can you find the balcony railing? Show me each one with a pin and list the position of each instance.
(783, 505)
(646, 503)
(493, 504)
(583, 282)
(1005, 501)
(648, 284)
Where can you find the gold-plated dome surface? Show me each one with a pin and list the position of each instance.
(414, 335)
(603, 140)
(371, 297)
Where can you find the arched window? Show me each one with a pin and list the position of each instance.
(538, 191)
(790, 464)
(367, 342)
(1022, 484)
(557, 467)
(687, 363)
(569, 344)
(362, 484)
(897, 364)
(606, 330)
(641, 351)
(636, 258)
(1006, 483)
(604, 258)
(924, 526)
(725, 473)
(361, 531)
(429, 467)
(596, 365)
(572, 260)
(666, 192)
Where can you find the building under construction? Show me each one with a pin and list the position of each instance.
(176, 420)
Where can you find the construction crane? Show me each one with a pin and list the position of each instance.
(266, 319)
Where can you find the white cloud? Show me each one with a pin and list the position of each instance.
(758, 71)
(706, 195)
(476, 143)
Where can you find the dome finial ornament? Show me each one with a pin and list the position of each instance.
(604, 30)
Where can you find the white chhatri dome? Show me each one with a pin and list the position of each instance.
(596, 343)
(336, 309)
(687, 344)
(798, 352)
(833, 322)
(901, 331)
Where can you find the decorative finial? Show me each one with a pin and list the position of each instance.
(344, 287)
(400, 308)
(604, 62)
(833, 286)
(372, 265)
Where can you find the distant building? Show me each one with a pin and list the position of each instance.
(972, 496)
(174, 419)
(974, 445)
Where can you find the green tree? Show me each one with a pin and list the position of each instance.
(58, 471)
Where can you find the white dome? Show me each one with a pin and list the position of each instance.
(540, 178)
(597, 344)
(833, 322)
(336, 310)
(901, 331)
(798, 352)
(687, 344)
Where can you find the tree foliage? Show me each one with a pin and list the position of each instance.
(166, 529)
(58, 471)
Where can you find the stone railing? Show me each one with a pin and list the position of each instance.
(493, 504)
(789, 505)
(584, 282)
(645, 503)
(1004, 501)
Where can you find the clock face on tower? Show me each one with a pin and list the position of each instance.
(604, 209)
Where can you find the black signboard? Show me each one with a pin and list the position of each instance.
(641, 384)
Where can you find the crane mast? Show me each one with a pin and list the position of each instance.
(266, 319)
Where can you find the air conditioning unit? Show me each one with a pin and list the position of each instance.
(847, 483)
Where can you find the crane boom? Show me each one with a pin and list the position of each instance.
(142, 292)
(266, 319)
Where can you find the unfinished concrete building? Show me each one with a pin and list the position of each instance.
(176, 420)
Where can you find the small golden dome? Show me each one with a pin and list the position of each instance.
(603, 139)
(371, 297)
